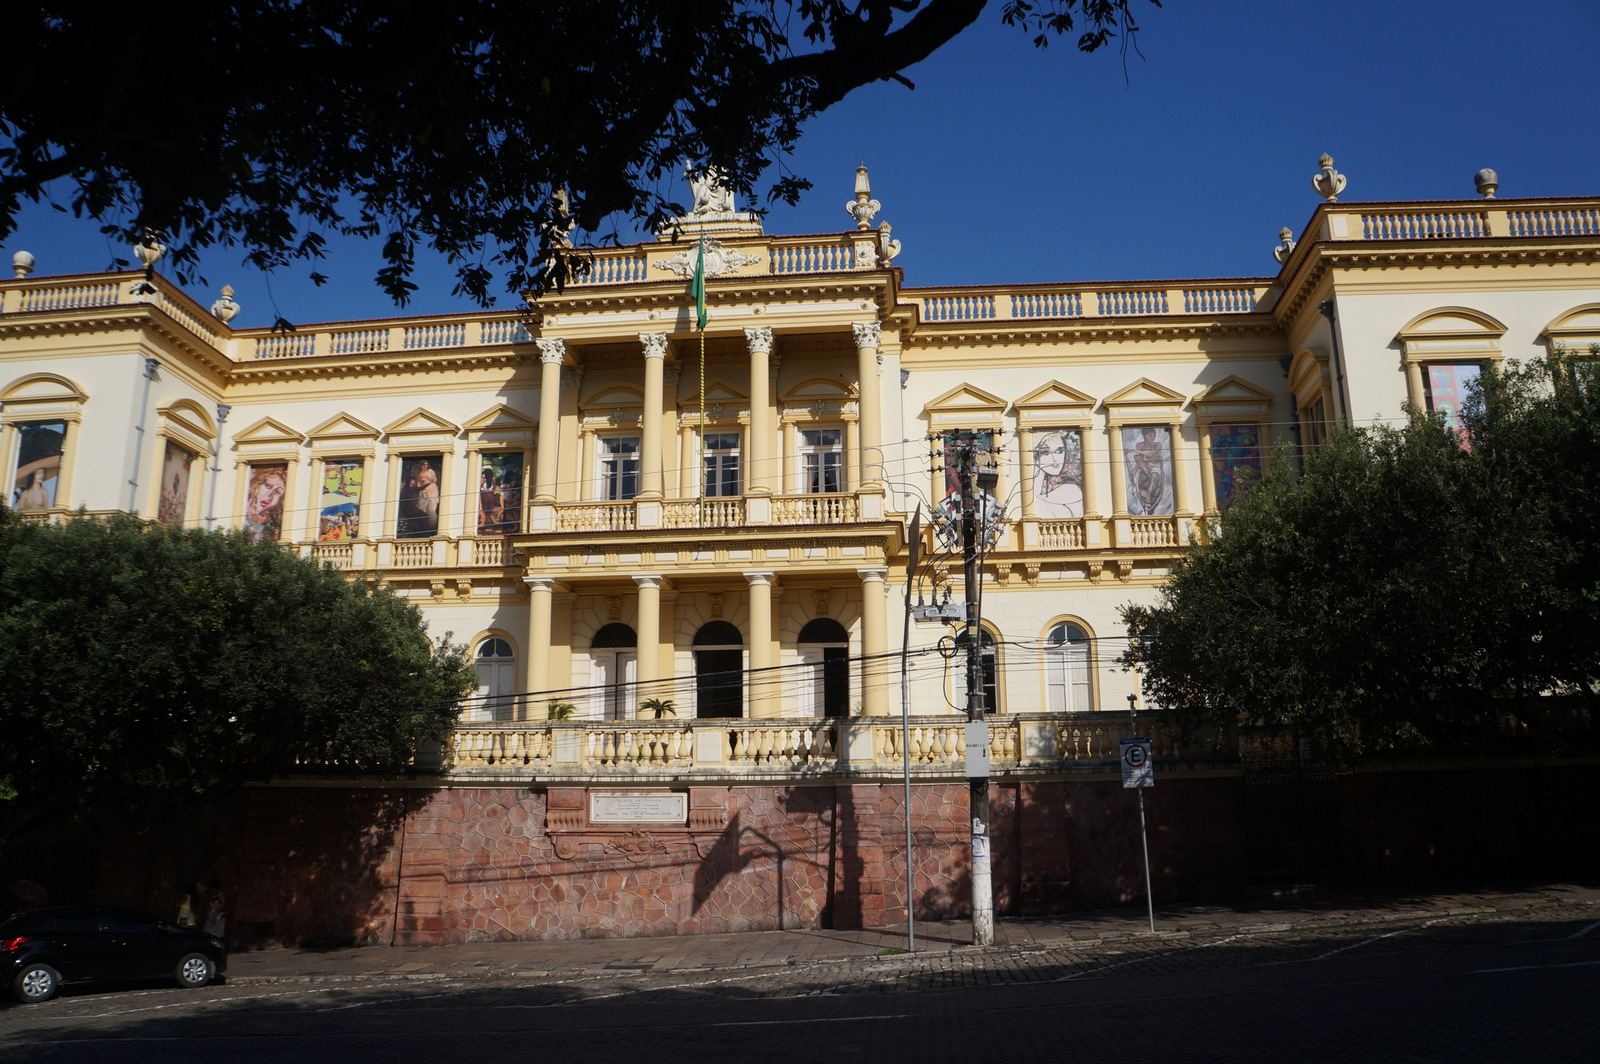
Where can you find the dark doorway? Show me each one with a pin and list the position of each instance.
(719, 670)
(825, 650)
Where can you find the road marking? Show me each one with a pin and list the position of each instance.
(1146, 957)
(1532, 967)
(818, 1019)
(1379, 938)
(1584, 931)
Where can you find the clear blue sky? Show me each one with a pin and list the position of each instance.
(1011, 164)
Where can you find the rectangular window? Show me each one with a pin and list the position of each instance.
(339, 517)
(619, 467)
(174, 485)
(1147, 463)
(1235, 459)
(719, 464)
(1316, 420)
(821, 460)
(38, 465)
(419, 497)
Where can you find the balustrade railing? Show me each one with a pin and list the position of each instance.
(616, 749)
(491, 551)
(620, 266)
(412, 554)
(1575, 221)
(1423, 225)
(1079, 301)
(338, 555)
(1153, 532)
(815, 509)
(707, 513)
(1062, 535)
(596, 517)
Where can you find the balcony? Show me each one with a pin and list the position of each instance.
(751, 511)
(856, 747)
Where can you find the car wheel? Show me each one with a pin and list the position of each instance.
(36, 982)
(195, 971)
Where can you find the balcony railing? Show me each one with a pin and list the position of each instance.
(1025, 303)
(851, 746)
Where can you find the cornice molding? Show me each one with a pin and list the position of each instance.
(1088, 330)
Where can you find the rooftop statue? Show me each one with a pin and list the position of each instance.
(710, 197)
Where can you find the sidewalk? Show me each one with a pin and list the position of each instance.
(758, 949)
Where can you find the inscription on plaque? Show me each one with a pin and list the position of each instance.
(613, 808)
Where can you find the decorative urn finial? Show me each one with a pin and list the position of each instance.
(863, 208)
(1487, 181)
(149, 249)
(22, 262)
(225, 308)
(1327, 181)
(1285, 246)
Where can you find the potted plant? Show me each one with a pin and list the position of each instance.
(561, 710)
(660, 708)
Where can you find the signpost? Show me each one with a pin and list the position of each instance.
(1137, 774)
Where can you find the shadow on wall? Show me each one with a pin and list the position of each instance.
(295, 866)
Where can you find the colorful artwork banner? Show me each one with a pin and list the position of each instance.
(1235, 459)
(263, 507)
(38, 467)
(174, 502)
(1147, 460)
(418, 516)
(500, 494)
(339, 514)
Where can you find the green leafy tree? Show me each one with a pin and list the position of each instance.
(1412, 587)
(272, 124)
(145, 666)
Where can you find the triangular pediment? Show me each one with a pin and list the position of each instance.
(421, 422)
(1234, 390)
(500, 417)
(1144, 392)
(268, 431)
(717, 391)
(1054, 394)
(342, 426)
(967, 398)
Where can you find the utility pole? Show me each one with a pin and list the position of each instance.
(978, 800)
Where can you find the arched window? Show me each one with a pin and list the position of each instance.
(614, 663)
(1066, 672)
(989, 663)
(496, 665)
(719, 670)
(825, 656)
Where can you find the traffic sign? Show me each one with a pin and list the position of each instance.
(1137, 770)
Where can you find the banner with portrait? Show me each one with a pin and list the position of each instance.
(38, 466)
(1147, 463)
(500, 494)
(1058, 473)
(339, 514)
(419, 497)
(174, 485)
(263, 505)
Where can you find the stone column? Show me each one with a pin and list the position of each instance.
(1119, 475)
(1180, 482)
(1208, 490)
(868, 335)
(540, 590)
(874, 643)
(758, 478)
(1026, 467)
(551, 354)
(764, 683)
(655, 356)
(649, 632)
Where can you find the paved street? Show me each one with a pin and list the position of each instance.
(1490, 977)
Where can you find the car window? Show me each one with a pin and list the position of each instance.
(74, 922)
(126, 921)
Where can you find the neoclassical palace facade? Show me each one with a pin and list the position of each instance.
(612, 507)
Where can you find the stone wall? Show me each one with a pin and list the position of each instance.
(328, 865)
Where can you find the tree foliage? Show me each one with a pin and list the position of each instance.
(145, 666)
(271, 125)
(1412, 587)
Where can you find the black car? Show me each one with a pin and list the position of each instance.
(45, 948)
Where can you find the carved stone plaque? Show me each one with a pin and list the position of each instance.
(610, 807)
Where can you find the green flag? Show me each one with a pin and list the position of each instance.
(698, 287)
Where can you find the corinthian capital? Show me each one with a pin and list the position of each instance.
(655, 344)
(868, 333)
(552, 350)
(759, 340)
